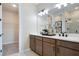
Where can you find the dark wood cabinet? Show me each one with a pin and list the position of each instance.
(62, 51)
(38, 41)
(68, 44)
(48, 49)
(53, 47)
(67, 48)
(32, 43)
(49, 40)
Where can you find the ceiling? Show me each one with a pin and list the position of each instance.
(40, 6)
(9, 6)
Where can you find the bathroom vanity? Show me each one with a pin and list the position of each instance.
(57, 21)
(54, 45)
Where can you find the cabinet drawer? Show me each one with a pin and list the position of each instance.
(38, 37)
(68, 44)
(61, 51)
(49, 40)
(32, 36)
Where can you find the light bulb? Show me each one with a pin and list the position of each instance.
(40, 14)
(43, 13)
(65, 4)
(58, 6)
(14, 5)
(46, 11)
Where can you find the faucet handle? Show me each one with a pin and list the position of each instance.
(62, 34)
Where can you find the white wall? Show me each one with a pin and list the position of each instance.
(28, 20)
(1, 29)
(10, 26)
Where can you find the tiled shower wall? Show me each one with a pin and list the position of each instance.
(10, 31)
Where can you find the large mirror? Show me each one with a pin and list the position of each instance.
(64, 17)
(70, 18)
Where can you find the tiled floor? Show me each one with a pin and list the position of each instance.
(26, 53)
(13, 50)
(9, 49)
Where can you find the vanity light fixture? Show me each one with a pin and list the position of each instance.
(65, 4)
(43, 12)
(60, 4)
(46, 11)
(40, 14)
(14, 5)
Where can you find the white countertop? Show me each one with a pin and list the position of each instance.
(69, 38)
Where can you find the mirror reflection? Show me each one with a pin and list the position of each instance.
(59, 18)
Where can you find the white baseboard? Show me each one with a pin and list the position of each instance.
(9, 43)
(24, 50)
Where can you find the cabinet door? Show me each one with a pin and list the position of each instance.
(48, 49)
(32, 43)
(38, 46)
(68, 44)
(61, 51)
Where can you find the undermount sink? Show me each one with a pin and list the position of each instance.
(49, 35)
